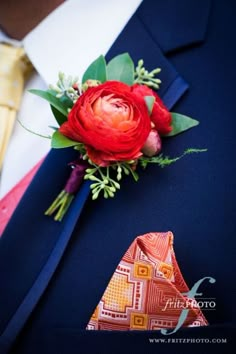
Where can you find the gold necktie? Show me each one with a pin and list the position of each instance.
(14, 70)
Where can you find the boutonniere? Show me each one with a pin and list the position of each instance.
(116, 122)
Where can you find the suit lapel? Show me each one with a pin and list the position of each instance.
(30, 244)
(176, 25)
(138, 41)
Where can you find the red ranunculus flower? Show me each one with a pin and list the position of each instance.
(160, 116)
(111, 121)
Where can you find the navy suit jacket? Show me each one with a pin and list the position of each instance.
(57, 272)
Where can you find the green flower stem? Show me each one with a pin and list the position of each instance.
(32, 132)
(61, 205)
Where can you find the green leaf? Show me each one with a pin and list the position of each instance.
(66, 101)
(121, 68)
(180, 123)
(135, 175)
(96, 70)
(60, 118)
(60, 141)
(149, 102)
(55, 102)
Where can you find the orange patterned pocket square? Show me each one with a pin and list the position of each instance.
(146, 291)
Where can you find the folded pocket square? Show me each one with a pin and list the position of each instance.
(147, 290)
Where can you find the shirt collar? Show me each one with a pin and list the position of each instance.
(75, 34)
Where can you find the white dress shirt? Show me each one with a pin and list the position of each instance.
(67, 40)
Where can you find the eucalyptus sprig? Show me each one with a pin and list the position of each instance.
(103, 182)
(66, 86)
(128, 168)
(144, 77)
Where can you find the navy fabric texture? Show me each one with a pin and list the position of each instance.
(193, 198)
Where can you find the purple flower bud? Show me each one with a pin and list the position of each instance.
(76, 177)
(152, 145)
